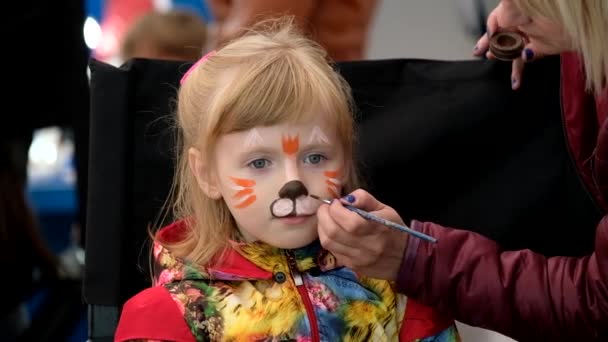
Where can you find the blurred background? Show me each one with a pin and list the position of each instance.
(116, 30)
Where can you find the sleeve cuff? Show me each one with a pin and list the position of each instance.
(409, 257)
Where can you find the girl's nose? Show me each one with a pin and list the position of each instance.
(293, 189)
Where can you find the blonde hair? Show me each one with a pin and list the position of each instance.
(586, 21)
(177, 34)
(270, 75)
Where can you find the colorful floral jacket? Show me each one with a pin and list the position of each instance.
(263, 293)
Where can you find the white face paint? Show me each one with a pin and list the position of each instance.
(253, 139)
(318, 137)
(253, 166)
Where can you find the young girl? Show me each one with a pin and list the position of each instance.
(265, 122)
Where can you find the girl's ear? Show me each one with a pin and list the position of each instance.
(204, 176)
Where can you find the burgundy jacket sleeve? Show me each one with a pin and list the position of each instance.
(521, 294)
(152, 315)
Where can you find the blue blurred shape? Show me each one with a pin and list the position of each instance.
(198, 6)
(94, 9)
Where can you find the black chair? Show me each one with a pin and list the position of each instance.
(446, 141)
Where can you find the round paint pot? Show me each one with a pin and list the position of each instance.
(506, 46)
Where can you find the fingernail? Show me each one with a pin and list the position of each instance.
(489, 33)
(476, 48)
(349, 198)
(529, 54)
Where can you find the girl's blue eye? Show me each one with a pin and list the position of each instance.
(259, 163)
(314, 158)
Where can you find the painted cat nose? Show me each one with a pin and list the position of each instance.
(293, 189)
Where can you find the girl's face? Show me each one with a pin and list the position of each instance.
(547, 36)
(266, 174)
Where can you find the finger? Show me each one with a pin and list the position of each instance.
(516, 73)
(363, 200)
(531, 53)
(344, 254)
(350, 222)
(483, 43)
(332, 231)
(492, 22)
(331, 237)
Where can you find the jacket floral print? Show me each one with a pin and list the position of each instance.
(263, 293)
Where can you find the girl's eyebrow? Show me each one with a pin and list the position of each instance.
(314, 146)
(257, 149)
(311, 147)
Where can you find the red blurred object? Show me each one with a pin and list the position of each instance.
(118, 15)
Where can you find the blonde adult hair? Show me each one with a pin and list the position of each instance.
(586, 21)
(270, 75)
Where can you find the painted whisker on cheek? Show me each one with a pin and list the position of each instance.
(246, 183)
(245, 192)
(247, 202)
(332, 174)
(332, 188)
(242, 193)
(334, 184)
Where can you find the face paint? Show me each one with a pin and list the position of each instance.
(256, 164)
(293, 201)
(253, 139)
(244, 192)
(318, 137)
(291, 145)
(334, 185)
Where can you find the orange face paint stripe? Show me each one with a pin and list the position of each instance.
(246, 202)
(333, 184)
(330, 183)
(243, 193)
(332, 192)
(291, 145)
(247, 183)
(332, 174)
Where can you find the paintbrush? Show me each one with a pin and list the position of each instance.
(380, 220)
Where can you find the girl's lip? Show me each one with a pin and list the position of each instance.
(295, 219)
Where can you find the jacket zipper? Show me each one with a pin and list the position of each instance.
(568, 145)
(299, 281)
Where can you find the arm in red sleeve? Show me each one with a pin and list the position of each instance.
(152, 315)
(521, 294)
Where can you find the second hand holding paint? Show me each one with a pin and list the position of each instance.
(372, 217)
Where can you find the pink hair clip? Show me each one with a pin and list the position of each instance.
(195, 65)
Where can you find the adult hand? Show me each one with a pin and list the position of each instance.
(542, 36)
(367, 247)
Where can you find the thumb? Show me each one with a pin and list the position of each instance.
(362, 200)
